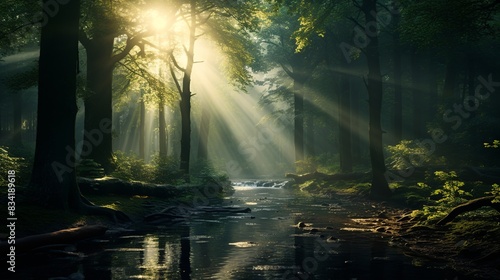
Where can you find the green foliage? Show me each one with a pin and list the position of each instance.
(450, 195)
(203, 172)
(8, 162)
(406, 154)
(17, 29)
(451, 192)
(132, 168)
(495, 190)
(90, 169)
(495, 144)
(306, 165)
(166, 170)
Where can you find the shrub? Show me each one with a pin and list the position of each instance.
(407, 154)
(450, 195)
(166, 170)
(8, 162)
(132, 168)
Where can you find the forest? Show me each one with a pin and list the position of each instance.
(156, 116)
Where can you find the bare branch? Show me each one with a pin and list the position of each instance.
(174, 77)
(176, 64)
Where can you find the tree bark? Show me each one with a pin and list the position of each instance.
(204, 130)
(162, 126)
(98, 103)
(17, 137)
(469, 206)
(54, 163)
(298, 112)
(451, 76)
(53, 175)
(142, 128)
(185, 102)
(345, 124)
(417, 94)
(398, 88)
(379, 188)
(310, 145)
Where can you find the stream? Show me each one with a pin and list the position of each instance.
(264, 244)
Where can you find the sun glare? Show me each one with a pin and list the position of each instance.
(157, 19)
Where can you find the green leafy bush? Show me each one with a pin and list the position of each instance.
(410, 153)
(495, 190)
(495, 144)
(166, 170)
(132, 168)
(8, 162)
(307, 165)
(204, 172)
(450, 195)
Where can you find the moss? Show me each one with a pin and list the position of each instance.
(472, 229)
(33, 219)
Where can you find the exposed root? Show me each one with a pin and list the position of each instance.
(86, 207)
(469, 206)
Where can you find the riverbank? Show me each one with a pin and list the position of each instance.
(136, 199)
(469, 244)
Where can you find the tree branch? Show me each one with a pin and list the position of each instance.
(174, 61)
(131, 43)
(174, 77)
(84, 39)
(288, 71)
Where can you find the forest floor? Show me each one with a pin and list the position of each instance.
(133, 205)
(469, 244)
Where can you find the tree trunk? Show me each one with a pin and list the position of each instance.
(451, 76)
(398, 89)
(54, 163)
(417, 94)
(355, 125)
(345, 124)
(17, 137)
(310, 147)
(204, 130)
(98, 104)
(379, 188)
(162, 137)
(432, 88)
(185, 102)
(53, 175)
(142, 128)
(298, 111)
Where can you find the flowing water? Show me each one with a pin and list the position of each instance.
(263, 244)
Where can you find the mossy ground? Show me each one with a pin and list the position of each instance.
(469, 243)
(34, 219)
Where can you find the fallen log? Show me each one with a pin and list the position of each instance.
(470, 206)
(65, 236)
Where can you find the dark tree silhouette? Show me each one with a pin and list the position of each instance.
(53, 173)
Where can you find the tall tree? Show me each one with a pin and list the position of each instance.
(103, 25)
(280, 51)
(380, 187)
(397, 78)
(53, 173)
(225, 23)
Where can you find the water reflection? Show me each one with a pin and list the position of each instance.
(263, 244)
